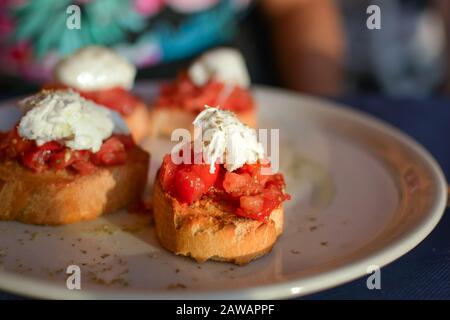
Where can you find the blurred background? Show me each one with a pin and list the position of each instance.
(321, 47)
(399, 72)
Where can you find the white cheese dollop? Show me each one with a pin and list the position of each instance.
(226, 139)
(224, 64)
(67, 117)
(94, 68)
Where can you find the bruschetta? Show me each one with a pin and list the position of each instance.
(230, 211)
(68, 160)
(217, 78)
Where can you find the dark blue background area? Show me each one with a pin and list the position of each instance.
(423, 273)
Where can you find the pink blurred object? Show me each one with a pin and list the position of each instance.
(148, 7)
(18, 60)
(6, 25)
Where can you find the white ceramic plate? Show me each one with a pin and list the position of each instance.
(363, 194)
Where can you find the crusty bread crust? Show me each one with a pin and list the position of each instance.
(164, 120)
(138, 122)
(208, 230)
(61, 197)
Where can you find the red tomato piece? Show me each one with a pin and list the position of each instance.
(184, 93)
(241, 184)
(65, 158)
(202, 170)
(12, 145)
(54, 155)
(83, 167)
(252, 204)
(36, 158)
(235, 183)
(189, 186)
(117, 99)
(111, 153)
(269, 197)
(167, 173)
(276, 180)
(59, 160)
(254, 195)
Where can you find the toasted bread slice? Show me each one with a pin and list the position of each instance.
(138, 122)
(164, 120)
(210, 230)
(62, 197)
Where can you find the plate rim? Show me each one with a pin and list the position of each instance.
(10, 282)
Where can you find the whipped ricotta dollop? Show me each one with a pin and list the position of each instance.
(67, 117)
(93, 68)
(224, 64)
(227, 140)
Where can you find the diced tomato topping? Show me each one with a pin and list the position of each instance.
(71, 158)
(54, 155)
(187, 182)
(276, 180)
(117, 98)
(167, 172)
(238, 184)
(254, 195)
(252, 204)
(260, 207)
(111, 153)
(12, 145)
(185, 94)
(203, 171)
(59, 159)
(83, 167)
(235, 183)
(36, 158)
(189, 186)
